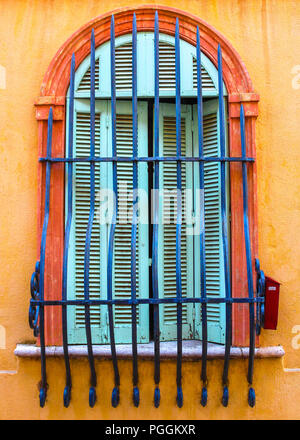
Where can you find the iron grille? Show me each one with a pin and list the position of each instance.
(38, 301)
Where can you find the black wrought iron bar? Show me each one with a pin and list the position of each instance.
(115, 393)
(251, 392)
(138, 301)
(155, 287)
(135, 377)
(93, 379)
(224, 218)
(43, 384)
(179, 398)
(67, 390)
(202, 226)
(147, 159)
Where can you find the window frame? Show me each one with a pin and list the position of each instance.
(53, 93)
(192, 329)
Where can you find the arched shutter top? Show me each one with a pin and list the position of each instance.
(145, 69)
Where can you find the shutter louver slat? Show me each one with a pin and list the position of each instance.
(124, 67)
(169, 257)
(82, 207)
(212, 218)
(166, 66)
(207, 82)
(122, 246)
(85, 83)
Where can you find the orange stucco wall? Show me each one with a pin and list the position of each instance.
(267, 36)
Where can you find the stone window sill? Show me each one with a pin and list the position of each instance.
(191, 351)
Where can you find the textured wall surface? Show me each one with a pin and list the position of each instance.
(266, 34)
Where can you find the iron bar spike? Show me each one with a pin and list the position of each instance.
(202, 226)
(225, 397)
(93, 380)
(251, 393)
(178, 219)
(115, 393)
(43, 384)
(67, 390)
(136, 394)
(156, 213)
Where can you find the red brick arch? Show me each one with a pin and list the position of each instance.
(53, 93)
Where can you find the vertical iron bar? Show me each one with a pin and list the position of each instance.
(115, 393)
(43, 384)
(136, 396)
(67, 390)
(251, 393)
(93, 381)
(155, 220)
(225, 397)
(178, 219)
(202, 226)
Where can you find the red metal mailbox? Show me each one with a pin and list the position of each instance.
(271, 304)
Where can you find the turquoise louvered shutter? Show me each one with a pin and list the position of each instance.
(122, 242)
(122, 247)
(167, 224)
(81, 207)
(213, 228)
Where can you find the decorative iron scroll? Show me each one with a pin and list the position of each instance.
(38, 302)
(260, 292)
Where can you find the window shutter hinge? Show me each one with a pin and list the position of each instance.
(194, 314)
(150, 262)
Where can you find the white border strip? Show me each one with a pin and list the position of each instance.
(192, 350)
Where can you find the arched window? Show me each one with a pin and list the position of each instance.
(229, 186)
(190, 254)
(238, 90)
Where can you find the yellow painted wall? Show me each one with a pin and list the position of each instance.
(266, 34)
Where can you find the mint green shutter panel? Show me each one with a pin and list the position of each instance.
(213, 228)
(122, 247)
(122, 242)
(167, 224)
(81, 207)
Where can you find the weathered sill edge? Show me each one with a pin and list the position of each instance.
(191, 350)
